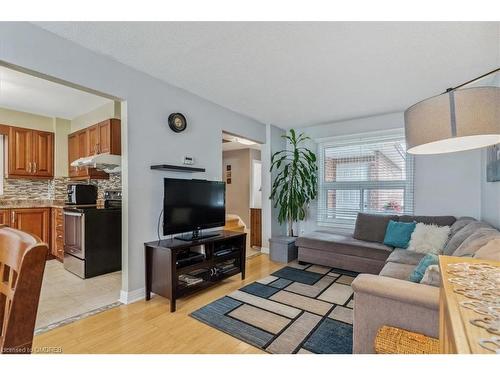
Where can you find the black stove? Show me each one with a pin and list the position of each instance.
(92, 244)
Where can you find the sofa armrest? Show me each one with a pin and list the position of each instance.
(380, 300)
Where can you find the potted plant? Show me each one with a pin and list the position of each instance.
(294, 187)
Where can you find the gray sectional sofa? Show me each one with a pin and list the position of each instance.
(382, 294)
(363, 251)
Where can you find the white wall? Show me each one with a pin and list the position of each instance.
(447, 184)
(147, 138)
(490, 196)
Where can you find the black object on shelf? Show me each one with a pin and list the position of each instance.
(188, 258)
(176, 168)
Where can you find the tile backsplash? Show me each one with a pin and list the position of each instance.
(55, 189)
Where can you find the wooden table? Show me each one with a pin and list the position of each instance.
(456, 334)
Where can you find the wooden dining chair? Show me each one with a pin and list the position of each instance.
(22, 262)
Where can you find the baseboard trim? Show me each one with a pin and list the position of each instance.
(132, 296)
(264, 250)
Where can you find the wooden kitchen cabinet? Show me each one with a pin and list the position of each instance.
(101, 138)
(43, 154)
(5, 217)
(72, 154)
(57, 233)
(109, 141)
(78, 147)
(30, 153)
(32, 220)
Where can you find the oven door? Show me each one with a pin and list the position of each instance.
(74, 242)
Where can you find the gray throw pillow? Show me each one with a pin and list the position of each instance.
(440, 221)
(475, 241)
(460, 236)
(371, 227)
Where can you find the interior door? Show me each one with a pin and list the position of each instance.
(43, 154)
(19, 153)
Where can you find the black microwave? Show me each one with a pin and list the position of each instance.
(82, 194)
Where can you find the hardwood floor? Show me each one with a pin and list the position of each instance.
(149, 327)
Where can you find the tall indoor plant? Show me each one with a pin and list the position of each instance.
(296, 182)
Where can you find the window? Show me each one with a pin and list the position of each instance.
(368, 173)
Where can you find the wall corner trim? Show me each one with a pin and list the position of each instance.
(132, 296)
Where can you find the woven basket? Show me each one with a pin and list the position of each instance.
(391, 340)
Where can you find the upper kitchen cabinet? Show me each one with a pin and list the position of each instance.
(100, 138)
(30, 153)
(109, 141)
(104, 138)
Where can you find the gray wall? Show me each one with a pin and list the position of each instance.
(448, 184)
(146, 137)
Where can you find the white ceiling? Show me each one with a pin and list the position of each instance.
(299, 73)
(231, 143)
(25, 93)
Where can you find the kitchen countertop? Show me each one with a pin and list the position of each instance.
(31, 203)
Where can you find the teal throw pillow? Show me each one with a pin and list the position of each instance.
(398, 234)
(419, 271)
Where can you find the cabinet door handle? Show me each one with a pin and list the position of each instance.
(13, 217)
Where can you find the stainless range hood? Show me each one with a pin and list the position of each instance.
(104, 162)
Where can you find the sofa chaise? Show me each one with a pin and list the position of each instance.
(382, 293)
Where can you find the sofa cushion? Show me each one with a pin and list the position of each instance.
(490, 251)
(403, 256)
(342, 244)
(460, 223)
(460, 236)
(371, 227)
(475, 241)
(440, 221)
(397, 270)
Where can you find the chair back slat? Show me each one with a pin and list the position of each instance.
(22, 262)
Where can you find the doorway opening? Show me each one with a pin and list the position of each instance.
(43, 193)
(242, 173)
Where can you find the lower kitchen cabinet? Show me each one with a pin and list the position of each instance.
(57, 235)
(5, 217)
(32, 220)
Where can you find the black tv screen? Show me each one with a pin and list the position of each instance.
(193, 205)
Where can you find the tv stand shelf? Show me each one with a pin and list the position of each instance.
(164, 276)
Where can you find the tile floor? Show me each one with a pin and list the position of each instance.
(65, 295)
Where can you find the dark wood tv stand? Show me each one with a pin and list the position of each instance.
(167, 262)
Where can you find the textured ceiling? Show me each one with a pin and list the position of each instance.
(299, 74)
(25, 93)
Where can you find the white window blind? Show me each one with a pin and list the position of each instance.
(369, 173)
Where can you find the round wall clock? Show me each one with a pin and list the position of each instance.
(177, 122)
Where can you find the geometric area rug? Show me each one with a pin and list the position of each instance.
(299, 309)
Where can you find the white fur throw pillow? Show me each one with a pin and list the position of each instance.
(428, 238)
(432, 276)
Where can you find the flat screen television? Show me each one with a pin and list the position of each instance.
(193, 205)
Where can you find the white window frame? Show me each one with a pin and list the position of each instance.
(364, 138)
